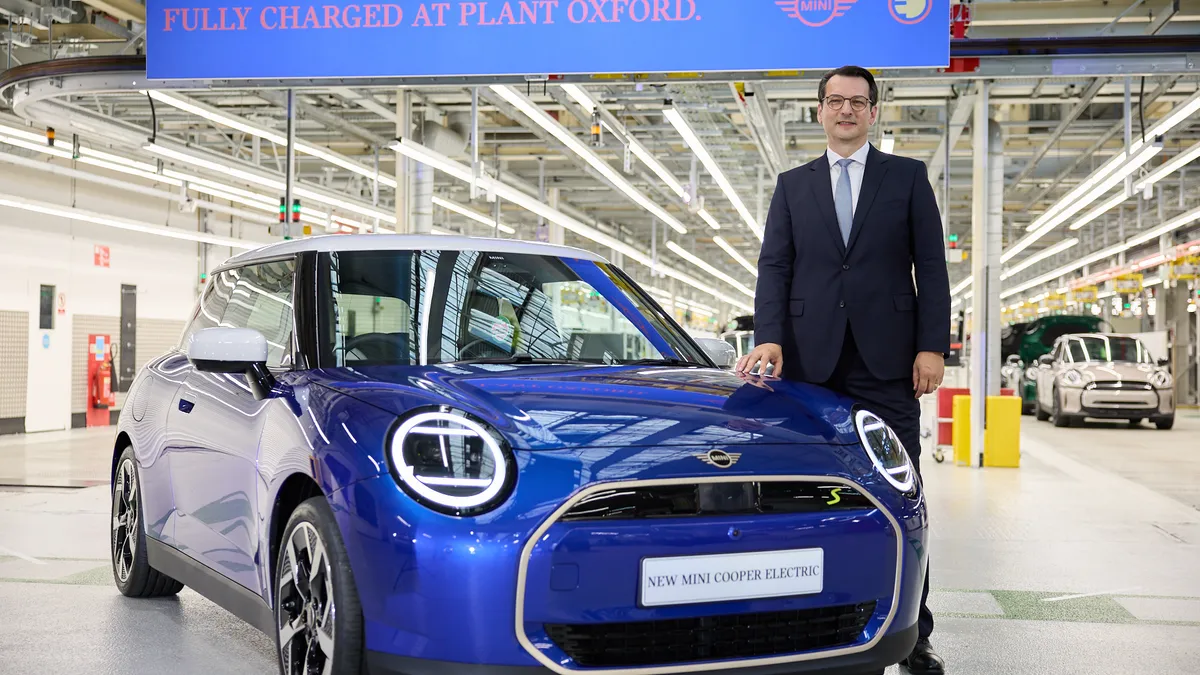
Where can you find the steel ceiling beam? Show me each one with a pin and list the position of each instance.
(1100, 142)
(1073, 114)
(964, 107)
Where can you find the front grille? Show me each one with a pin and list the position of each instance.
(733, 636)
(701, 499)
(1119, 385)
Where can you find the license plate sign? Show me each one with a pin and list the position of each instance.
(680, 580)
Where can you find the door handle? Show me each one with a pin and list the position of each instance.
(185, 405)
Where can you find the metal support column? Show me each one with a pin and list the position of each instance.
(474, 143)
(980, 359)
(290, 170)
(403, 129)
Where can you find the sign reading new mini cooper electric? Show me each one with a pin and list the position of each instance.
(236, 39)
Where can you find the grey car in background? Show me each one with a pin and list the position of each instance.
(1104, 376)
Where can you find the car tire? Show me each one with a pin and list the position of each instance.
(131, 569)
(1039, 412)
(1060, 420)
(1165, 423)
(327, 616)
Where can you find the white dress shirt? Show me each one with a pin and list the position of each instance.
(856, 172)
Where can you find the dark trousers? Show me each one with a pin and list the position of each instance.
(896, 403)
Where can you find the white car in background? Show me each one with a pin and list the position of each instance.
(1104, 376)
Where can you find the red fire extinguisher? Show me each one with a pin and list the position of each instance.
(102, 393)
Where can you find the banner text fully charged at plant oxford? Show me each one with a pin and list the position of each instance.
(427, 14)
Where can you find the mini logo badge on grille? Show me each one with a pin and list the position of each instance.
(719, 458)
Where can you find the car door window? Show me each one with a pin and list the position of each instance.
(262, 300)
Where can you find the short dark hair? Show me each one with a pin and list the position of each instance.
(850, 71)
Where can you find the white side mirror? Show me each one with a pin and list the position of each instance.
(226, 350)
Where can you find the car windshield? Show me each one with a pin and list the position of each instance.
(436, 307)
(1108, 349)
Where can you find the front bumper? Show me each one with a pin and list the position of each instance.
(480, 596)
(1118, 402)
(890, 649)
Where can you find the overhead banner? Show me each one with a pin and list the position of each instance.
(232, 39)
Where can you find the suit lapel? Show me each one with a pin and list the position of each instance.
(822, 189)
(872, 179)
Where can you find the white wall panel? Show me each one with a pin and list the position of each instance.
(40, 249)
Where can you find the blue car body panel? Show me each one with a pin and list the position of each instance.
(213, 459)
(441, 587)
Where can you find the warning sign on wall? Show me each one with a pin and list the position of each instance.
(100, 255)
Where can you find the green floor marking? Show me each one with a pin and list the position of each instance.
(1033, 606)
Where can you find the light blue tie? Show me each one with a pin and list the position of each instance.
(843, 200)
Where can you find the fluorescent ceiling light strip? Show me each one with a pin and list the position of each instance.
(545, 121)
(698, 262)
(1095, 190)
(214, 115)
(23, 134)
(733, 253)
(532, 204)
(1065, 269)
(212, 165)
(123, 224)
(1095, 213)
(1181, 112)
(1169, 167)
(473, 215)
(1175, 223)
(1039, 256)
(582, 98)
(126, 167)
(962, 286)
(255, 197)
(36, 147)
(685, 130)
(251, 177)
(708, 218)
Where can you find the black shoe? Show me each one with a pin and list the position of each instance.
(923, 660)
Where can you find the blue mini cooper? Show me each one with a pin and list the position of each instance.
(432, 455)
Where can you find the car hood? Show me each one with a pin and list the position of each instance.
(1119, 371)
(553, 407)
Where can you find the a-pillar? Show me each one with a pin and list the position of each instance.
(986, 229)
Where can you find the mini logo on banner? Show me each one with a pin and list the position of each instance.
(815, 13)
(910, 11)
(719, 458)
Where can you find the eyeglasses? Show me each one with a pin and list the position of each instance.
(858, 103)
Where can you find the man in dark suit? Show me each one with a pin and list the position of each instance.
(853, 291)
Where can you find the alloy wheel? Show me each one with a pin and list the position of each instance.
(125, 520)
(306, 607)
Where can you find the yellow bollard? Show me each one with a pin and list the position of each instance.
(960, 430)
(1002, 439)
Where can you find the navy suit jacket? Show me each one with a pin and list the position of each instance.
(889, 284)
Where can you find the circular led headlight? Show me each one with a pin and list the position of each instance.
(1072, 378)
(886, 451)
(451, 463)
(1161, 379)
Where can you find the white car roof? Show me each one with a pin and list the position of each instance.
(407, 242)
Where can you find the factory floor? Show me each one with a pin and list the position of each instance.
(1083, 560)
